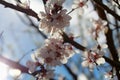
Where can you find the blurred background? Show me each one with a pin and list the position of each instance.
(20, 37)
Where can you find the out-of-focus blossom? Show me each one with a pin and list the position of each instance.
(100, 61)
(91, 59)
(79, 4)
(108, 76)
(25, 4)
(82, 77)
(46, 74)
(88, 64)
(99, 25)
(101, 44)
(101, 39)
(31, 65)
(54, 4)
(98, 33)
(14, 72)
(111, 75)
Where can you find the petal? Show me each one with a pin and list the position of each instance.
(91, 66)
(104, 46)
(100, 61)
(74, 6)
(85, 54)
(85, 63)
(64, 61)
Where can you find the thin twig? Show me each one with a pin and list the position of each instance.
(71, 10)
(36, 27)
(13, 64)
(104, 7)
(70, 71)
(82, 48)
(29, 12)
(109, 34)
(116, 1)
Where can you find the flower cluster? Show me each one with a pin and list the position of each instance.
(91, 59)
(54, 18)
(50, 22)
(54, 52)
(99, 26)
(98, 33)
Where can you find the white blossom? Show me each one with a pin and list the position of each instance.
(79, 4)
(54, 52)
(99, 32)
(91, 59)
(52, 3)
(88, 63)
(101, 39)
(100, 22)
(25, 4)
(99, 25)
(82, 77)
(54, 18)
(54, 22)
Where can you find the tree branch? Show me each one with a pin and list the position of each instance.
(109, 38)
(29, 12)
(36, 27)
(80, 47)
(109, 35)
(13, 64)
(104, 7)
(70, 71)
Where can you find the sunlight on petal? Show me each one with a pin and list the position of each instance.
(3, 71)
(14, 72)
(82, 77)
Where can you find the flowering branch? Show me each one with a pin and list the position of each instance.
(55, 51)
(116, 1)
(45, 37)
(104, 7)
(109, 37)
(29, 12)
(13, 64)
(80, 47)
